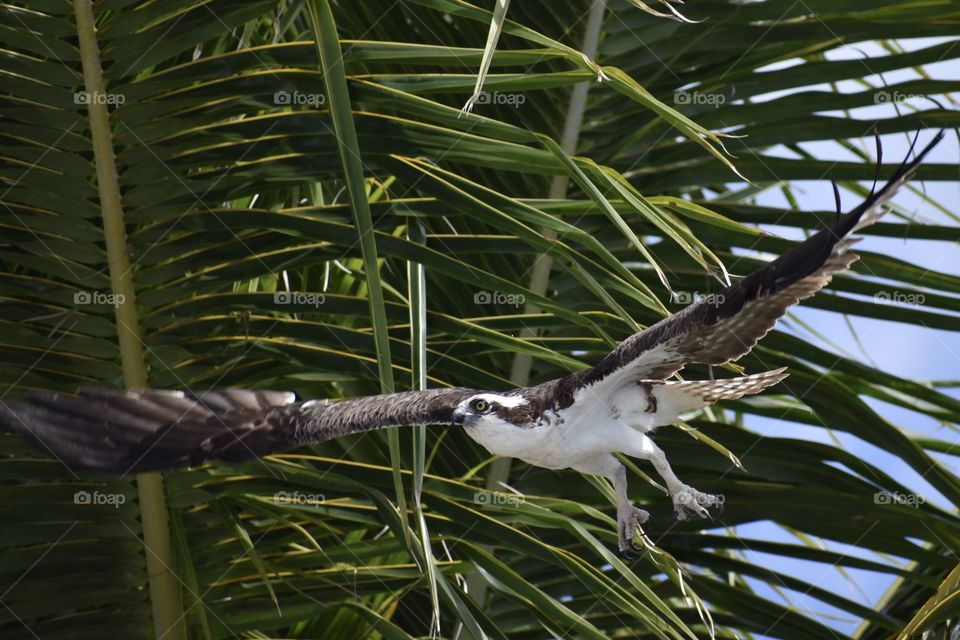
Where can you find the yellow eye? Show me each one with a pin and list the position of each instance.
(479, 406)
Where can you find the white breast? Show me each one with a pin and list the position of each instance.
(504, 439)
(560, 442)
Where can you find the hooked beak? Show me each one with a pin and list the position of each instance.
(459, 417)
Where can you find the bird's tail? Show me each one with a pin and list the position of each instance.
(705, 392)
(655, 403)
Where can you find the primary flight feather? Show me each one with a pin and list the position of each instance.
(578, 421)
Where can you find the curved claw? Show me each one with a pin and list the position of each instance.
(688, 501)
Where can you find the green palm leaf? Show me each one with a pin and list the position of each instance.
(305, 207)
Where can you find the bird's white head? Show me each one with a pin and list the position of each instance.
(505, 424)
(493, 410)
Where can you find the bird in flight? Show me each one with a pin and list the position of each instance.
(579, 421)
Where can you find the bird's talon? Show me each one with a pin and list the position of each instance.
(689, 501)
(628, 519)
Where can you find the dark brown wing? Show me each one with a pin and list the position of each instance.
(726, 325)
(149, 430)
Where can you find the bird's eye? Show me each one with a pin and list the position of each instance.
(479, 406)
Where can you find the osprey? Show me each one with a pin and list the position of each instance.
(578, 421)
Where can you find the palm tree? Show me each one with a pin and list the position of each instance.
(287, 195)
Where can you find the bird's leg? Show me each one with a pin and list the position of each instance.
(686, 499)
(628, 516)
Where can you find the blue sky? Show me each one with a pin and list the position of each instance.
(909, 351)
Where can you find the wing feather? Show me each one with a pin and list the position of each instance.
(728, 324)
(150, 430)
(146, 430)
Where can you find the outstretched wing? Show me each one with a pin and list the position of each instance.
(150, 430)
(726, 325)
